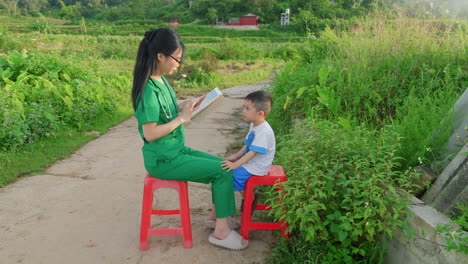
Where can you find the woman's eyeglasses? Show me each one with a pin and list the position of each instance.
(178, 61)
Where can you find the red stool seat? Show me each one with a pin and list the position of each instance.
(274, 176)
(152, 184)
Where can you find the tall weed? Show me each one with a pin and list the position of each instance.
(369, 75)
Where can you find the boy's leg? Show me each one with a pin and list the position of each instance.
(241, 176)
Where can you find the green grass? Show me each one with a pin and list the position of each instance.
(225, 77)
(34, 159)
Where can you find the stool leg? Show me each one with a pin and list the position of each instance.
(247, 210)
(146, 215)
(185, 214)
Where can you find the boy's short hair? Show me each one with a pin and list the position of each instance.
(262, 100)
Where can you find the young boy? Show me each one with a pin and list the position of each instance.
(257, 154)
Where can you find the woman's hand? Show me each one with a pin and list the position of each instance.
(187, 111)
(198, 101)
(229, 165)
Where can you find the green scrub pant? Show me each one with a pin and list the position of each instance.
(197, 166)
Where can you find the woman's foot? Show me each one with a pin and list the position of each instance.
(233, 224)
(223, 232)
(230, 240)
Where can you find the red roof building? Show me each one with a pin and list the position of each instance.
(246, 20)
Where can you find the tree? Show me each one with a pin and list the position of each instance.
(223, 7)
(265, 9)
(69, 12)
(32, 7)
(10, 5)
(212, 15)
(305, 18)
(93, 3)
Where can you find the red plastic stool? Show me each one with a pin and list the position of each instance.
(275, 175)
(152, 184)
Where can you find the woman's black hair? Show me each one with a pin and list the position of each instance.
(161, 40)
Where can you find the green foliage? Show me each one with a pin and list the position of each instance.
(424, 121)
(32, 7)
(342, 187)
(71, 12)
(294, 250)
(233, 49)
(212, 15)
(3, 36)
(386, 72)
(287, 52)
(297, 250)
(41, 26)
(455, 240)
(41, 93)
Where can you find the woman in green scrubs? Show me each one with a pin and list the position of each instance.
(160, 124)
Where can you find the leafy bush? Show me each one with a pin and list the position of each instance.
(287, 53)
(41, 93)
(341, 188)
(42, 26)
(297, 250)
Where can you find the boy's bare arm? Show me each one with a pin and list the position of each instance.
(229, 165)
(238, 155)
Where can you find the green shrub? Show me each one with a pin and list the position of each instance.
(42, 26)
(297, 250)
(342, 187)
(42, 93)
(287, 53)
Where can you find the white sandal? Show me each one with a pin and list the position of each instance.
(232, 241)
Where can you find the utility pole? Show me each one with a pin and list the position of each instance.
(285, 18)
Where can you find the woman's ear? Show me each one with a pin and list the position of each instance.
(159, 56)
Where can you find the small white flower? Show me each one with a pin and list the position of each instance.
(367, 223)
(420, 160)
(184, 75)
(428, 149)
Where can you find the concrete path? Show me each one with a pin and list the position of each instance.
(86, 208)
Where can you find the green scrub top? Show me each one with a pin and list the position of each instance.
(168, 157)
(159, 104)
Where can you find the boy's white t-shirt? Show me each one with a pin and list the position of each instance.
(260, 139)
